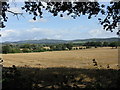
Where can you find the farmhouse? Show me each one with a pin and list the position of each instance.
(78, 47)
(25, 49)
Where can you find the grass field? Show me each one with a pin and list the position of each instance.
(74, 58)
(61, 70)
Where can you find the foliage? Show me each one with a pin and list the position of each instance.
(15, 50)
(26, 48)
(69, 46)
(6, 49)
(39, 49)
(10, 49)
(105, 44)
(114, 44)
(95, 44)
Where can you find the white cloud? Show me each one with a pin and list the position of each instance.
(58, 36)
(6, 33)
(9, 35)
(40, 33)
(100, 33)
(37, 33)
(29, 34)
(38, 20)
(95, 33)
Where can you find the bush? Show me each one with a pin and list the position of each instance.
(6, 49)
(15, 50)
(39, 50)
(95, 46)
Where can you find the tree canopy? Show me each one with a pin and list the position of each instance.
(73, 9)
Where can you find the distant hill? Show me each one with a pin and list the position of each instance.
(54, 41)
(42, 41)
(96, 40)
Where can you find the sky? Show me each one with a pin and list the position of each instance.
(50, 27)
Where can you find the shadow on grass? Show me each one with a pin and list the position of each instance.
(59, 78)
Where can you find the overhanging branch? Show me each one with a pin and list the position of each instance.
(15, 13)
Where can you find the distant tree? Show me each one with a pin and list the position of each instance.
(88, 44)
(33, 46)
(94, 44)
(64, 47)
(114, 44)
(6, 49)
(39, 49)
(69, 46)
(52, 47)
(15, 50)
(58, 47)
(105, 44)
(26, 46)
(98, 44)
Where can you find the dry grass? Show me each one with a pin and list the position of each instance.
(74, 58)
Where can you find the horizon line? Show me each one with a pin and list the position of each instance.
(58, 39)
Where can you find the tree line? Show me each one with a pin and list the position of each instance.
(26, 48)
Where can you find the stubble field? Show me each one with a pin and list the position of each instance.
(74, 58)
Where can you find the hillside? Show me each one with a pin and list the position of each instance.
(96, 40)
(55, 41)
(42, 41)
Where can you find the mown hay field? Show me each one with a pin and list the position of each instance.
(74, 58)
